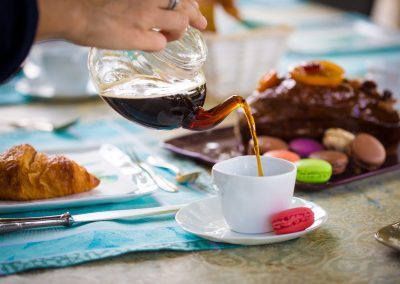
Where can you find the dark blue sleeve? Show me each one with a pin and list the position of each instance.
(18, 23)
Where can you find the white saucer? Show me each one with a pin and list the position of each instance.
(204, 219)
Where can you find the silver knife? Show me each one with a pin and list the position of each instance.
(8, 225)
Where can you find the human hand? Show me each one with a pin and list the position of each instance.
(117, 24)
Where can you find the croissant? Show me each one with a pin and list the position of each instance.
(26, 174)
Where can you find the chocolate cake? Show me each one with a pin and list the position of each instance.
(291, 109)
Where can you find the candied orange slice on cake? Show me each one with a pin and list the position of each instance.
(318, 73)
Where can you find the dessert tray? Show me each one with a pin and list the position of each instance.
(218, 144)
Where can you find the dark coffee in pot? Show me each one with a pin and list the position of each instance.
(164, 112)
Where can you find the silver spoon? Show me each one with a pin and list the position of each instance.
(180, 176)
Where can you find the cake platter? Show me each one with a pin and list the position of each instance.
(218, 144)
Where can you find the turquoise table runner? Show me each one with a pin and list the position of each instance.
(8, 94)
(58, 247)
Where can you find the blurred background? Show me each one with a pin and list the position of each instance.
(382, 12)
(357, 34)
(246, 38)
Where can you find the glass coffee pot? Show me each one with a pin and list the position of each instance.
(165, 89)
(162, 90)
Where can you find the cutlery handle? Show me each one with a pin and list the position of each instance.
(162, 182)
(8, 225)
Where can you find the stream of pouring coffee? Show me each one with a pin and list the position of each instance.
(252, 128)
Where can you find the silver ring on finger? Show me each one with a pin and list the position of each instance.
(172, 4)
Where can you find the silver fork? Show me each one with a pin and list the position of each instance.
(41, 124)
(162, 182)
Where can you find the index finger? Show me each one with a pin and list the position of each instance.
(191, 9)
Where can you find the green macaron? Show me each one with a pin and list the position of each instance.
(313, 171)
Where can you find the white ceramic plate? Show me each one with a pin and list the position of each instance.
(32, 89)
(56, 70)
(114, 187)
(204, 219)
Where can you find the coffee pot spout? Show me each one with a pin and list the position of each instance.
(203, 119)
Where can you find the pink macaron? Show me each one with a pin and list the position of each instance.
(305, 146)
(292, 220)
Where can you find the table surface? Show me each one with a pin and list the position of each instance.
(343, 250)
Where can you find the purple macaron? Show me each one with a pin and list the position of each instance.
(305, 146)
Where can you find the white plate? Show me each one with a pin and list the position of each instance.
(114, 187)
(46, 91)
(204, 219)
(56, 70)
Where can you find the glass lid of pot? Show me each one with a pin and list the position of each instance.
(132, 73)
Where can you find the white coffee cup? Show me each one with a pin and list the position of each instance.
(248, 200)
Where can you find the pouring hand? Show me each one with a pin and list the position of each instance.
(117, 24)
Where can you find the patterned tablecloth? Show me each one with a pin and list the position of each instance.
(342, 251)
